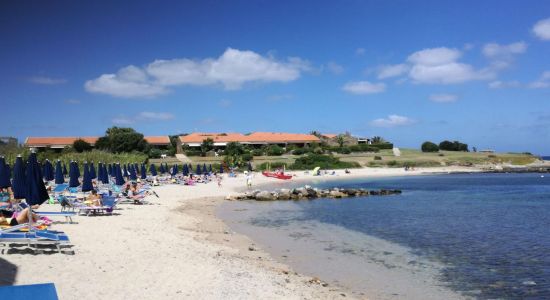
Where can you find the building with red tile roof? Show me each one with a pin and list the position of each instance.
(62, 142)
(255, 138)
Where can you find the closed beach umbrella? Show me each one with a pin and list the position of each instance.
(65, 173)
(161, 169)
(93, 173)
(87, 179)
(77, 168)
(18, 184)
(174, 170)
(249, 167)
(210, 168)
(198, 171)
(143, 172)
(136, 168)
(185, 170)
(35, 191)
(59, 178)
(124, 171)
(46, 170)
(204, 169)
(99, 171)
(73, 175)
(105, 175)
(119, 179)
(153, 170)
(5, 174)
(221, 168)
(133, 175)
(110, 170)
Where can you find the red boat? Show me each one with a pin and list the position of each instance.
(278, 175)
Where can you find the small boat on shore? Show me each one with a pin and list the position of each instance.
(278, 175)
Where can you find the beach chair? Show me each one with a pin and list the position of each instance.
(108, 206)
(50, 214)
(34, 238)
(44, 291)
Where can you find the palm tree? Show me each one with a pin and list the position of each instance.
(341, 140)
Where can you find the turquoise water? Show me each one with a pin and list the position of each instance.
(489, 232)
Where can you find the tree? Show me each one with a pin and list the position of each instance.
(206, 146)
(125, 140)
(453, 146)
(81, 145)
(341, 140)
(429, 147)
(103, 143)
(275, 150)
(378, 140)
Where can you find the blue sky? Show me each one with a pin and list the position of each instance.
(476, 71)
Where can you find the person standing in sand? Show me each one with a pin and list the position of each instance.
(249, 179)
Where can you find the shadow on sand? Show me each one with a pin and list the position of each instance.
(8, 271)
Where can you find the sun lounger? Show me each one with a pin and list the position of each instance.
(38, 237)
(108, 206)
(44, 291)
(67, 214)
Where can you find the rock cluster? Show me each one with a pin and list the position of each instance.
(308, 192)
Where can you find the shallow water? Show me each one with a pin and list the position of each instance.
(483, 235)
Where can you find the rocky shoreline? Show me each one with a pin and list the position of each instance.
(307, 192)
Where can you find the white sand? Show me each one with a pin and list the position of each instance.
(173, 248)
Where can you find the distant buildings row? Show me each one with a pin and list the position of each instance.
(220, 140)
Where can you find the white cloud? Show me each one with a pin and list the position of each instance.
(335, 68)
(145, 116)
(360, 51)
(364, 87)
(392, 121)
(542, 82)
(72, 101)
(494, 50)
(497, 84)
(542, 29)
(443, 98)
(392, 70)
(440, 65)
(47, 80)
(232, 69)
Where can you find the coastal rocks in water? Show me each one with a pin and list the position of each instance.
(308, 192)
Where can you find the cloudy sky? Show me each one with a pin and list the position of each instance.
(476, 71)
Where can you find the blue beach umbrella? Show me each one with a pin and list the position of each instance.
(161, 169)
(73, 174)
(105, 175)
(143, 172)
(65, 173)
(18, 184)
(174, 170)
(4, 174)
(99, 170)
(77, 168)
(119, 179)
(133, 175)
(93, 173)
(249, 166)
(221, 168)
(210, 168)
(136, 168)
(46, 170)
(110, 170)
(125, 172)
(59, 178)
(185, 170)
(35, 190)
(87, 179)
(204, 170)
(198, 171)
(153, 170)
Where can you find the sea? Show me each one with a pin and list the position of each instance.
(480, 236)
(545, 157)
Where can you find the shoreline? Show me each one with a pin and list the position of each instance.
(175, 247)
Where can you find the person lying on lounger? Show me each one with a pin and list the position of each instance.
(93, 199)
(7, 218)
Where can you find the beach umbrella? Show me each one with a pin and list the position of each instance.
(4, 174)
(161, 169)
(87, 179)
(185, 170)
(73, 175)
(133, 175)
(221, 168)
(125, 172)
(59, 178)
(210, 168)
(136, 168)
(46, 168)
(198, 171)
(119, 179)
(65, 170)
(77, 168)
(110, 170)
(174, 170)
(204, 168)
(143, 172)
(18, 184)
(99, 171)
(105, 175)
(153, 169)
(249, 166)
(35, 190)
(93, 173)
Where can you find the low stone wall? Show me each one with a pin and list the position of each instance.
(308, 192)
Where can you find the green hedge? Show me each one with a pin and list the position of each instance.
(312, 161)
(382, 146)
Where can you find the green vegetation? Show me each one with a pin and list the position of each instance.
(453, 146)
(206, 146)
(429, 147)
(81, 146)
(313, 160)
(119, 140)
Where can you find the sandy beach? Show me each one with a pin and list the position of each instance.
(174, 247)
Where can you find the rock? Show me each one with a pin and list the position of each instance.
(284, 194)
(335, 194)
(251, 248)
(264, 196)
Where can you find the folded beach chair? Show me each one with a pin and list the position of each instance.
(38, 237)
(44, 291)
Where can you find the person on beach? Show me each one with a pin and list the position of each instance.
(93, 199)
(249, 180)
(9, 218)
(219, 178)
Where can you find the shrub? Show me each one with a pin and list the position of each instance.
(298, 151)
(274, 165)
(441, 154)
(318, 150)
(377, 157)
(257, 152)
(155, 153)
(275, 150)
(81, 146)
(312, 160)
(453, 146)
(343, 150)
(193, 153)
(382, 146)
(246, 157)
(429, 147)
